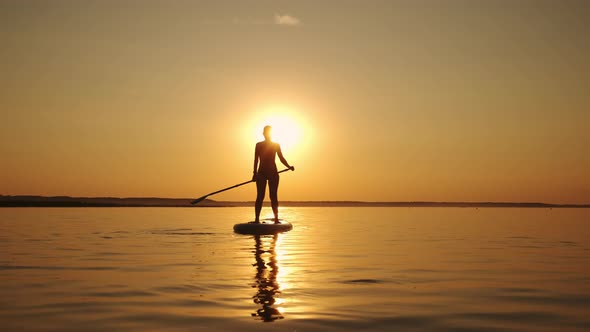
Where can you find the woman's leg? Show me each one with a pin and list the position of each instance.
(260, 192)
(273, 187)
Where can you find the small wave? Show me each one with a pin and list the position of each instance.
(34, 267)
(363, 281)
(568, 243)
(174, 230)
(521, 237)
(69, 249)
(573, 300)
(122, 294)
(518, 290)
(529, 246)
(180, 232)
(183, 289)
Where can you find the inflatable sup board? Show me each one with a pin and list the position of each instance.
(266, 226)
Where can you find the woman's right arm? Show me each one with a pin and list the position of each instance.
(255, 163)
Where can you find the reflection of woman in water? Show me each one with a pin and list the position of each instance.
(265, 152)
(266, 281)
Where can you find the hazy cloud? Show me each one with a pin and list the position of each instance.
(286, 20)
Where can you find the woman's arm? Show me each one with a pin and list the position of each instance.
(282, 159)
(255, 163)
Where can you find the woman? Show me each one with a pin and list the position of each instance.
(266, 151)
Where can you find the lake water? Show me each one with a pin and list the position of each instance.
(340, 269)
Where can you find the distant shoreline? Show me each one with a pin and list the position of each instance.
(66, 201)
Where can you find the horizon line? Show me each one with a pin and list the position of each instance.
(297, 201)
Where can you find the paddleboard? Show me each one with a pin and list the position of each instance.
(262, 228)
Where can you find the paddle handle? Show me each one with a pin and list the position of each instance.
(228, 188)
(286, 169)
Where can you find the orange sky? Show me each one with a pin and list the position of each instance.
(393, 100)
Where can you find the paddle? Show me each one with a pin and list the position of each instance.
(228, 188)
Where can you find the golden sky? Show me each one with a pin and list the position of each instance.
(388, 100)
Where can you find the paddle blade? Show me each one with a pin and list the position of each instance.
(198, 200)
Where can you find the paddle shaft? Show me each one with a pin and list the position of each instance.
(228, 188)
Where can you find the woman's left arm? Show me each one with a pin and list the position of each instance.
(282, 159)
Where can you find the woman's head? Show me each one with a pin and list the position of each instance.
(267, 132)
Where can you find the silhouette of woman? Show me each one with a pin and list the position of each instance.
(265, 152)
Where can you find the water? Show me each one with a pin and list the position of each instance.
(344, 269)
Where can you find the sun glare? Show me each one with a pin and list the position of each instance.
(284, 130)
(287, 129)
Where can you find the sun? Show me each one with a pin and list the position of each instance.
(285, 131)
(287, 127)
